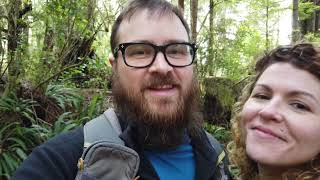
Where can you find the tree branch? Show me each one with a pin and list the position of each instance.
(205, 18)
(3, 30)
(57, 74)
(71, 66)
(3, 17)
(25, 10)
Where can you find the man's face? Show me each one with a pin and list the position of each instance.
(159, 90)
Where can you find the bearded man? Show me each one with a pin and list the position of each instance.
(155, 106)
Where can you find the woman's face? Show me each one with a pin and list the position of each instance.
(281, 118)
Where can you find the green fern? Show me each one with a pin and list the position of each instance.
(19, 106)
(16, 142)
(65, 97)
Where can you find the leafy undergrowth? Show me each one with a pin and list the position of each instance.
(222, 134)
(27, 122)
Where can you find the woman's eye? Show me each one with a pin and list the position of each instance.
(261, 96)
(300, 106)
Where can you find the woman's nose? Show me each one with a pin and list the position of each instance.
(272, 110)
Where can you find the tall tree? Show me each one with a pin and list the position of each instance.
(267, 24)
(194, 19)
(90, 14)
(3, 32)
(210, 39)
(309, 12)
(181, 5)
(295, 21)
(13, 37)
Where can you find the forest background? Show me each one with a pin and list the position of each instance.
(54, 71)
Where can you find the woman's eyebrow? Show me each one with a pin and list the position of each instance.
(304, 93)
(263, 86)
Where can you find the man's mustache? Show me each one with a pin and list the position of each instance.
(160, 80)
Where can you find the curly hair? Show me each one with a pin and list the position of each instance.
(305, 56)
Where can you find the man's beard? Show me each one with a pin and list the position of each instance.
(153, 129)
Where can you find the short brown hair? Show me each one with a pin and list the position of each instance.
(160, 6)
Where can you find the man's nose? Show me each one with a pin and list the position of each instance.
(272, 110)
(160, 65)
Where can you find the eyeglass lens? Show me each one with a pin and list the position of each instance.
(143, 54)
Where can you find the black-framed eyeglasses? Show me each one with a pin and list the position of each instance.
(141, 55)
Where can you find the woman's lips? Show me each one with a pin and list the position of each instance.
(267, 133)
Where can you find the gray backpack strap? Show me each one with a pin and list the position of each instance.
(222, 162)
(105, 127)
(113, 119)
(105, 155)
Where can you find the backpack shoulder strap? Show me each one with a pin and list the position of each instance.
(222, 162)
(105, 127)
(217, 147)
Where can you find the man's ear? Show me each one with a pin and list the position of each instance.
(112, 61)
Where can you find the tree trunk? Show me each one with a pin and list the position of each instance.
(194, 17)
(310, 25)
(90, 14)
(295, 21)
(317, 22)
(1, 50)
(181, 5)
(313, 19)
(14, 64)
(267, 27)
(210, 41)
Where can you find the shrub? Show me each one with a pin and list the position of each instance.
(16, 141)
(222, 134)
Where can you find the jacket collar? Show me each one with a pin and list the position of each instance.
(205, 155)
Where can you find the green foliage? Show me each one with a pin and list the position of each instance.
(63, 124)
(94, 73)
(98, 74)
(77, 109)
(223, 89)
(65, 97)
(237, 38)
(313, 37)
(306, 10)
(92, 109)
(222, 134)
(17, 106)
(15, 143)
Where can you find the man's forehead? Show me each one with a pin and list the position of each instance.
(137, 25)
(149, 15)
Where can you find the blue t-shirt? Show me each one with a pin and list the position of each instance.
(174, 164)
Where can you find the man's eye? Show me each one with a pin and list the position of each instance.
(138, 52)
(178, 50)
(172, 51)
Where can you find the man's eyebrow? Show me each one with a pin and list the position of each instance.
(175, 41)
